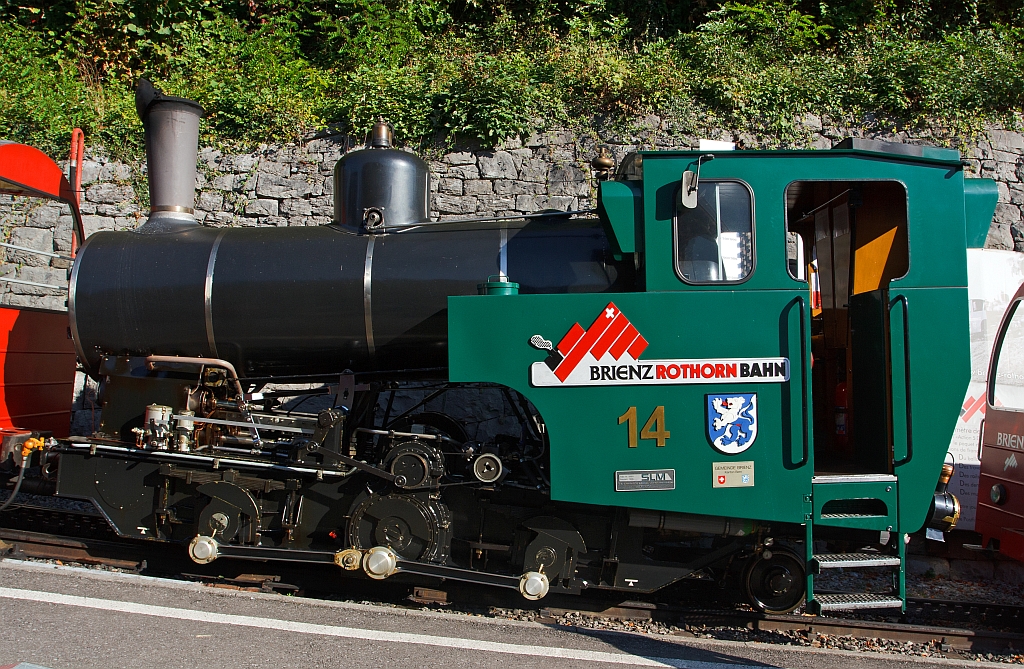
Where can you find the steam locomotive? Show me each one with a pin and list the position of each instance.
(742, 356)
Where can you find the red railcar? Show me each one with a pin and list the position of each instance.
(37, 370)
(37, 355)
(1000, 518)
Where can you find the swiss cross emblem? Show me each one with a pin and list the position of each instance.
(721, 479)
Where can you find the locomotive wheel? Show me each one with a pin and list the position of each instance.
(219, 520)
(414, 528)
(775, 581)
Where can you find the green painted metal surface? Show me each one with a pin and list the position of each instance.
(980, 199)
(940, 370)
(757, 318)
(871, 505)
(869, 316)
(588, 444)
(619, 209)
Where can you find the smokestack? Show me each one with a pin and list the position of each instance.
(172, 145)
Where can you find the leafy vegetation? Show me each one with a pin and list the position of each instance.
(490, 69)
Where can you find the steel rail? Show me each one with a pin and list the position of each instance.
(131, 555)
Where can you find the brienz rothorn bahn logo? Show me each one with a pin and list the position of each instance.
(608, 354)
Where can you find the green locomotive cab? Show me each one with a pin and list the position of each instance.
(794, 354)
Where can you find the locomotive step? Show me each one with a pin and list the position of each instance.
(851, 560)
(857, 600)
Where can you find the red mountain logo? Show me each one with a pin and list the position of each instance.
(611, 332)
(971, 406)
(974, 405)
(608, 353)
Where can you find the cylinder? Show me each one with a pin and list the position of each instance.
(683, 522)
(158, 414)
(187, 424)
(171, 127)
(316, 300)
(944, 511)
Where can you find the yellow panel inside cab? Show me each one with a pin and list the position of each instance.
(880, 244)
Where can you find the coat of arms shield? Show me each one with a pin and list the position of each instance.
(732, 421)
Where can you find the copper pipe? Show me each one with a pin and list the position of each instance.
(213, 362)
(209, 362)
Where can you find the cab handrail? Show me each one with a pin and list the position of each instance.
(803, 378)
(902, 300)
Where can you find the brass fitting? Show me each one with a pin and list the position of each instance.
(32, 444)
(349, 559)
(603, 164)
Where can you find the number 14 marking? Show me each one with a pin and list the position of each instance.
(654, 428)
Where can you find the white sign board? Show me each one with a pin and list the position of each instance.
(992, 279)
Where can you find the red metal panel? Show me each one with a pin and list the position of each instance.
(27, 171)
(37, 355)
(1002, 463)
(37, 359)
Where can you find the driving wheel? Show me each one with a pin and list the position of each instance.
(774, 581)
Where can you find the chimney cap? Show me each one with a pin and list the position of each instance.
(146, 95)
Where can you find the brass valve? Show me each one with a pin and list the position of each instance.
(603, 164)
(32, 444)
(383, 135)
(947, 473)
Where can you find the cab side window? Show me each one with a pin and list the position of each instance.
(1007, 382)
(714, 241)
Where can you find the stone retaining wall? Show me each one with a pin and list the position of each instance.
(292, 185)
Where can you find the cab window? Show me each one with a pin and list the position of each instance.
(713, 242)
(1008, 380)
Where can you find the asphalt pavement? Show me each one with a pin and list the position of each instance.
(61, 617)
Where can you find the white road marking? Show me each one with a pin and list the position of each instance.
(357, 633)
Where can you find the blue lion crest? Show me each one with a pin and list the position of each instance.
(732, 421)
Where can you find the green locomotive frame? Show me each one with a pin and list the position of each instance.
(910, 336)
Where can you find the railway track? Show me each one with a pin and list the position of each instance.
(967, 627)
(1002, 616)
(942, 637)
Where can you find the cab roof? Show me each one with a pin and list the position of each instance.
(910, 153)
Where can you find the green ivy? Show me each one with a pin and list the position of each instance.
(489, 69)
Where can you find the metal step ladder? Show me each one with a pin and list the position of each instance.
(857, 600)
(865, 502)
(850, 601)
